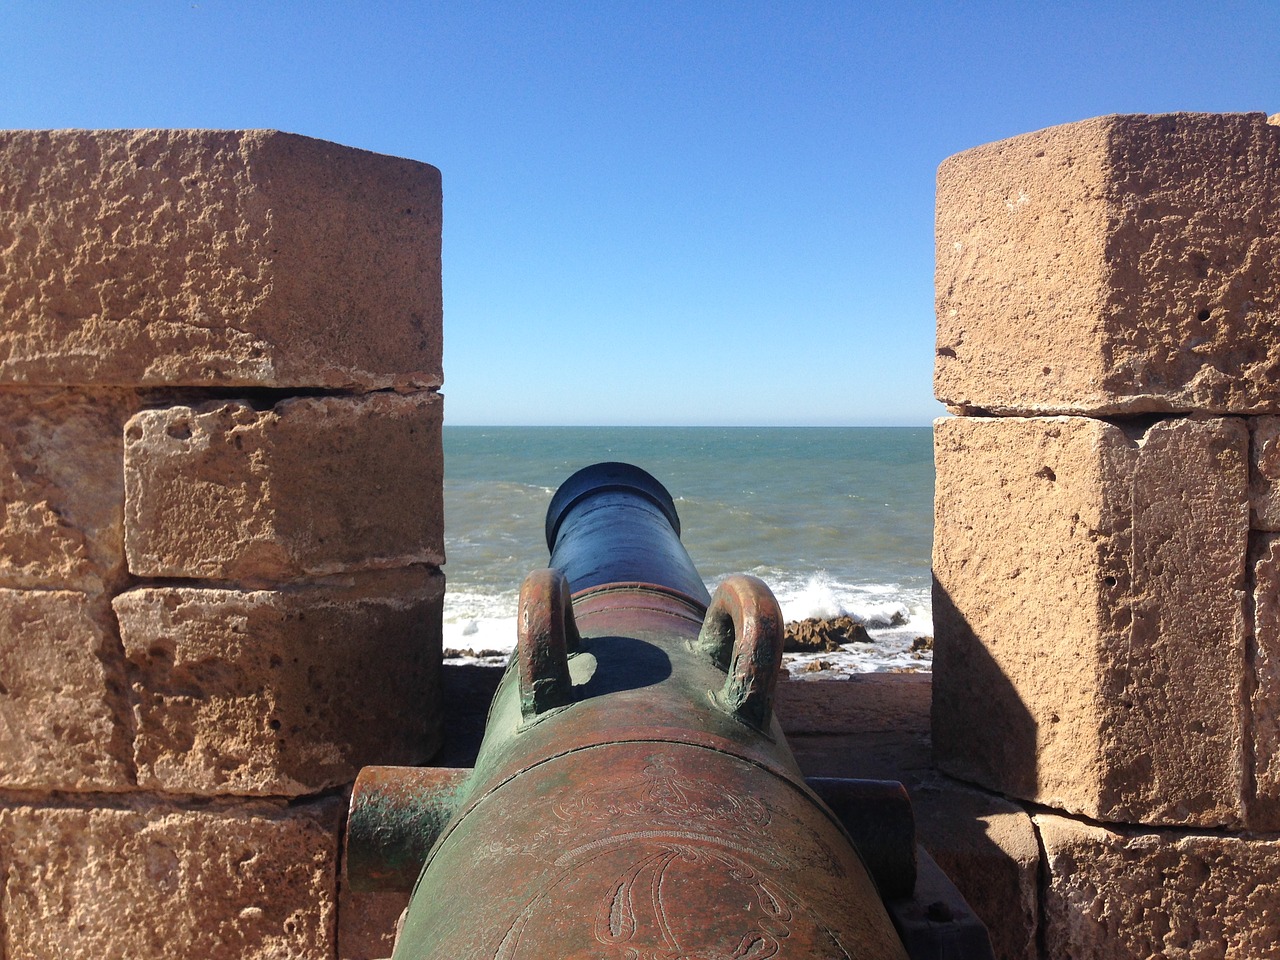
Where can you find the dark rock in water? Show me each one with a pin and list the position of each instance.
(922, 644)
(895, 619)
(815, 635)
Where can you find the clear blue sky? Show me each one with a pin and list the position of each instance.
(715, 212)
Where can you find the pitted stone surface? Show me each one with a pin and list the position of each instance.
(1158, 894)
(252, 881)
(309, 487)
(62, 488)
(1116, 265)
(199, 257)
(1090, 645)
(63, 711)
(287, 691)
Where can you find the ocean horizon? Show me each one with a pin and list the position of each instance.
(836, 520)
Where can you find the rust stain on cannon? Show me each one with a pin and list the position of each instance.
(634, 797)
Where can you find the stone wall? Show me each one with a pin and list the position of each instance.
(220, 530)
(1107, 568)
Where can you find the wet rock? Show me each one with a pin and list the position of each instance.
(815, 635)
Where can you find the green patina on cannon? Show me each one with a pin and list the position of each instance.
(634, 796)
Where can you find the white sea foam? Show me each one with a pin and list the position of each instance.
(483, 626)
(895, 616)
(480, 622)
(871, 604)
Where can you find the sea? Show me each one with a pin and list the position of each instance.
(836, 520)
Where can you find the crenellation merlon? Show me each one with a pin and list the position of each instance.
(215, 258)
(1130, 273)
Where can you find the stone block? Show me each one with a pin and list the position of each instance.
(309, 487)
(863, 703)
(1090, 643)
(988, 847)
(63, 711)
(283, 692)
(1264, 472)
(1116, 265)
(149, 879)
(367, 923)
(213, 258)
(1264, 698)
(61, 488)
(1111, 895)
(871, 726)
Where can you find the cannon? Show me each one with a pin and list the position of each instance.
(634, 796)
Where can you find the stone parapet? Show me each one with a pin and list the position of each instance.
(61, 488)
(216, 258)
(64, 712)
(286, 691)
(147, 877)
(876, 726)
(1091, 647)
(1114, 266)
(309, 487)
(220, 529)
(1107, 591)
(1130, 893)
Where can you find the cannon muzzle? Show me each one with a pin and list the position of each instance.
(613, 523)
(634, 796)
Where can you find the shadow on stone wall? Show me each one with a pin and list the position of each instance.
(982, 730)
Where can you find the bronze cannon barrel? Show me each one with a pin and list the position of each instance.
(634, 796)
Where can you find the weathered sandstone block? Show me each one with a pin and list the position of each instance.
(1264, 472)
(283, 692)
(1090, 647)
(1264, 808)
(311, 486)
(62, 709)
(1120, 264)
(149, 880)
(215, 257)
(1127, 894)
(61, 488)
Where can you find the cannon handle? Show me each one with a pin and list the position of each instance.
(742, 633)
(546, 634)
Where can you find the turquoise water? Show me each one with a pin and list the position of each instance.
(835, 520)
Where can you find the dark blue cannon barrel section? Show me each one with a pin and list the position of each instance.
(614, 523)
